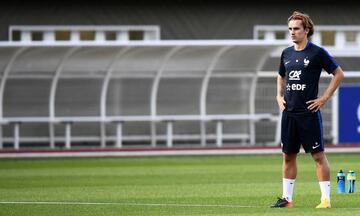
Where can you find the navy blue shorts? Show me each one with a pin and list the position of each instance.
(301, 129)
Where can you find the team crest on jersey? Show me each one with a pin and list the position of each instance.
(306, 62)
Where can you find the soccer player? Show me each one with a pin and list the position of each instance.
(297, 98)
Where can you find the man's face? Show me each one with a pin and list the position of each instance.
(297, 31)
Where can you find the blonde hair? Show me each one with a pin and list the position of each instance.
(306, 21)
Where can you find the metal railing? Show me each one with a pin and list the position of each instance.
(82, 33)
(332, 36)
(119, 121)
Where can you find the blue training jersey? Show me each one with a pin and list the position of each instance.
(302, 70)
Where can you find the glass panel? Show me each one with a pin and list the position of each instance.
(179, 96)
(85, 129)
(8, 131)
(228, 96)
(34, 130)
(62, 35)
(130, 129)
(16, 36)
(38, 61)
(186, 128)
(241, 59)
(236, 128)
(350, 36)
(265, 131)
(27, 97)
(193, 59)
(87, 35)
(261, 35)
(90, 61)
(280, 35)
(265, 93)
(36, 36)
(5, 55)
(136, 35)
(78, 97)
(328, 38)
(110, 36)
(141, 61)
(129, 96)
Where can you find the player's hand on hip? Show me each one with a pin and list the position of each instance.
(281, 102)
(316, 104)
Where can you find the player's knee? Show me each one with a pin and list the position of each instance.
(319, 157)
(289, 158)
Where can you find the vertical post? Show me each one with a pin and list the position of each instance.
(203, 133)
(252, 96)
(150, 35)
(52, 135)
(316, 38)
(358, 39)
(99, 36)
(335, 117)
(104, 91)
(25, 36)
(52, 95)
(219, 133)
(277, 140)
(102, 135)
(119, 135)
(154, 92)
(153, 133)
(340, 39)
(269, 35)
(122, 36)
(16, 135)
(49, 36)
(1, 137)
(252, 132)
(67, 135)
(169, 134)
(204, 90)
(75, 36)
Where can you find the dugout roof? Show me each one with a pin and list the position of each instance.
(153, 75)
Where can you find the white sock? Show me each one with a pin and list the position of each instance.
(288, 188)
(325, 189)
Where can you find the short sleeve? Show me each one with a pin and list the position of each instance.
(328, 62)
(282, 69)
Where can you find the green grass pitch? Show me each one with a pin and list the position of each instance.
(181, 185)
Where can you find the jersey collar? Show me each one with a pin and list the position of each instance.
(306, 47)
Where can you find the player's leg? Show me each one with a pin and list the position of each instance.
(322, 166)
(323, 175)
(290, 148)
(311, 131)
(289, 173)
(289, 167)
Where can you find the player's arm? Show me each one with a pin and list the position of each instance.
(317, 103)
(280, 92)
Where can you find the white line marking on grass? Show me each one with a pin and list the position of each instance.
(126, 204)
(140, 204)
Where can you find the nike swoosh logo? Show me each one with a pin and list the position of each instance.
(314, 147)
(287, 62)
